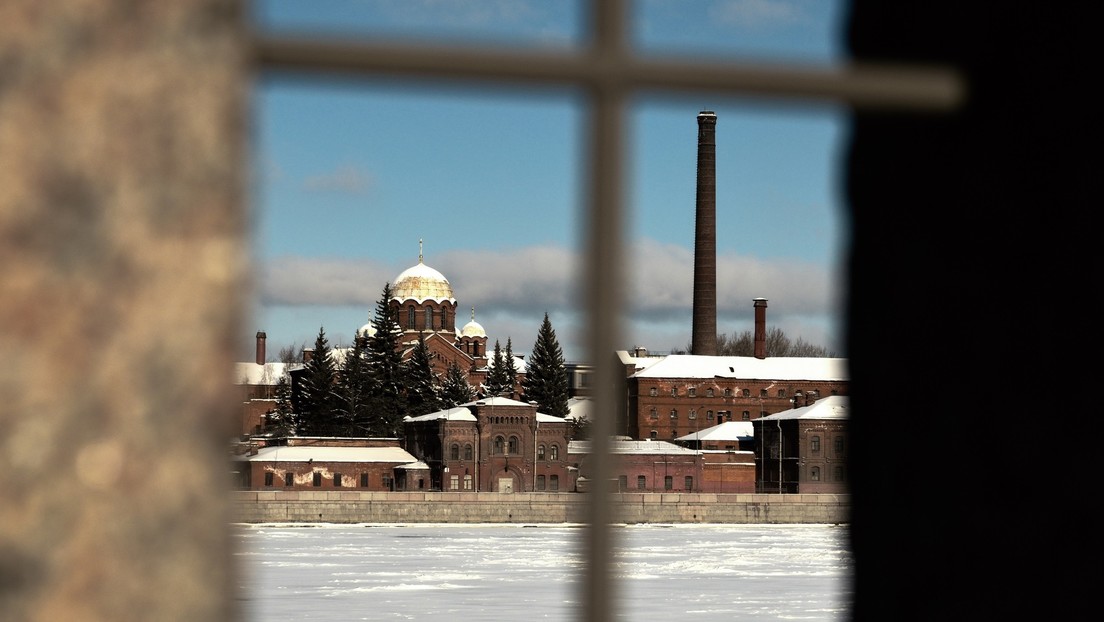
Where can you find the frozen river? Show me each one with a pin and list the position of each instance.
(533, 572)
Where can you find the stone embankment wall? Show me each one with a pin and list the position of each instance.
(438, 507)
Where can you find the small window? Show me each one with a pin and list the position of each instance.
(268, 478)
(513, 451)
(410, 317)
(728, 392)
(289, 479)
(540, 482)
(498, 445)
(837, 473)
(745, 416)
(363, 480)
(429, 318)
(468, 452)
(747, 392)
(467, 482)
(554, 482)
(554, 452)
(781, 393)
(709, 415)
(540, 452)
(693, 414)
(709, 392)
(688, 484)
(653, 435)
(652, 392)
(454, 482)
(674, 413)
(691, 392)
(839, 445)
(317, 479)
(641, 482)
(668, 482)
(674, 433)
(674, 391)
(388, 483)
(762, 393)
(653, 414)
(814, 474)
(454, 452)
(814, 443)
(337, 480)
(622, 483)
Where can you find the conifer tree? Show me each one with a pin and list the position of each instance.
(497, 378)
(455, 389)
(318, 398)
(281, 420)
(355, 389)
(546, 375)
(422, 390)
(385, 367)
(511, 371)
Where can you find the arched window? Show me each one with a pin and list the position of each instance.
(468, 452)
(554, 452)
(540, 452)
(454, 452)
(814, 474)
(513, 445)
(498, 445)
(410, 317)
(429, 318)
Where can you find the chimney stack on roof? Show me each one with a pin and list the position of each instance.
(760, 328)
(704, 335)
(261, 347)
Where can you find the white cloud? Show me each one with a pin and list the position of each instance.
(512, 289)
(754, 14)
(347, 179)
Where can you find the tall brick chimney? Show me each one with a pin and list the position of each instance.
(261, 347)
(704, 336)
(760, 328)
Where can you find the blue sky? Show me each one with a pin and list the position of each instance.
(350, 174)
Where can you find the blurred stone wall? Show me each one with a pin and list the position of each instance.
(122, 244)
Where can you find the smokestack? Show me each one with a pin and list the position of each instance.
(261, 347)
(760, 328)
(704, 339)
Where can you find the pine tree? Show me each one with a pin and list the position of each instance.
(422, 391)
(385, 367)
(355, 389)
(318, 398)
(281, 420)
(511, 371)
(455, 389)
(497, 379)
(546, 375)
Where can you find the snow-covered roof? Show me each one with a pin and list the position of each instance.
(414, 465)
(727, 431)
(463, 412)
(579, 407)
(281, 453)
(633, 447)
(267, 374)
(831, 407)
(749, 367)
(421, 283)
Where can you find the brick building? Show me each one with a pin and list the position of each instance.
(804, 449)
(314, 463)
(643, 466)
(494, 444)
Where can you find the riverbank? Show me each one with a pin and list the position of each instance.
(442, 507)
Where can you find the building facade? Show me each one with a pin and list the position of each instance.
(494, 444)
(804, 449)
